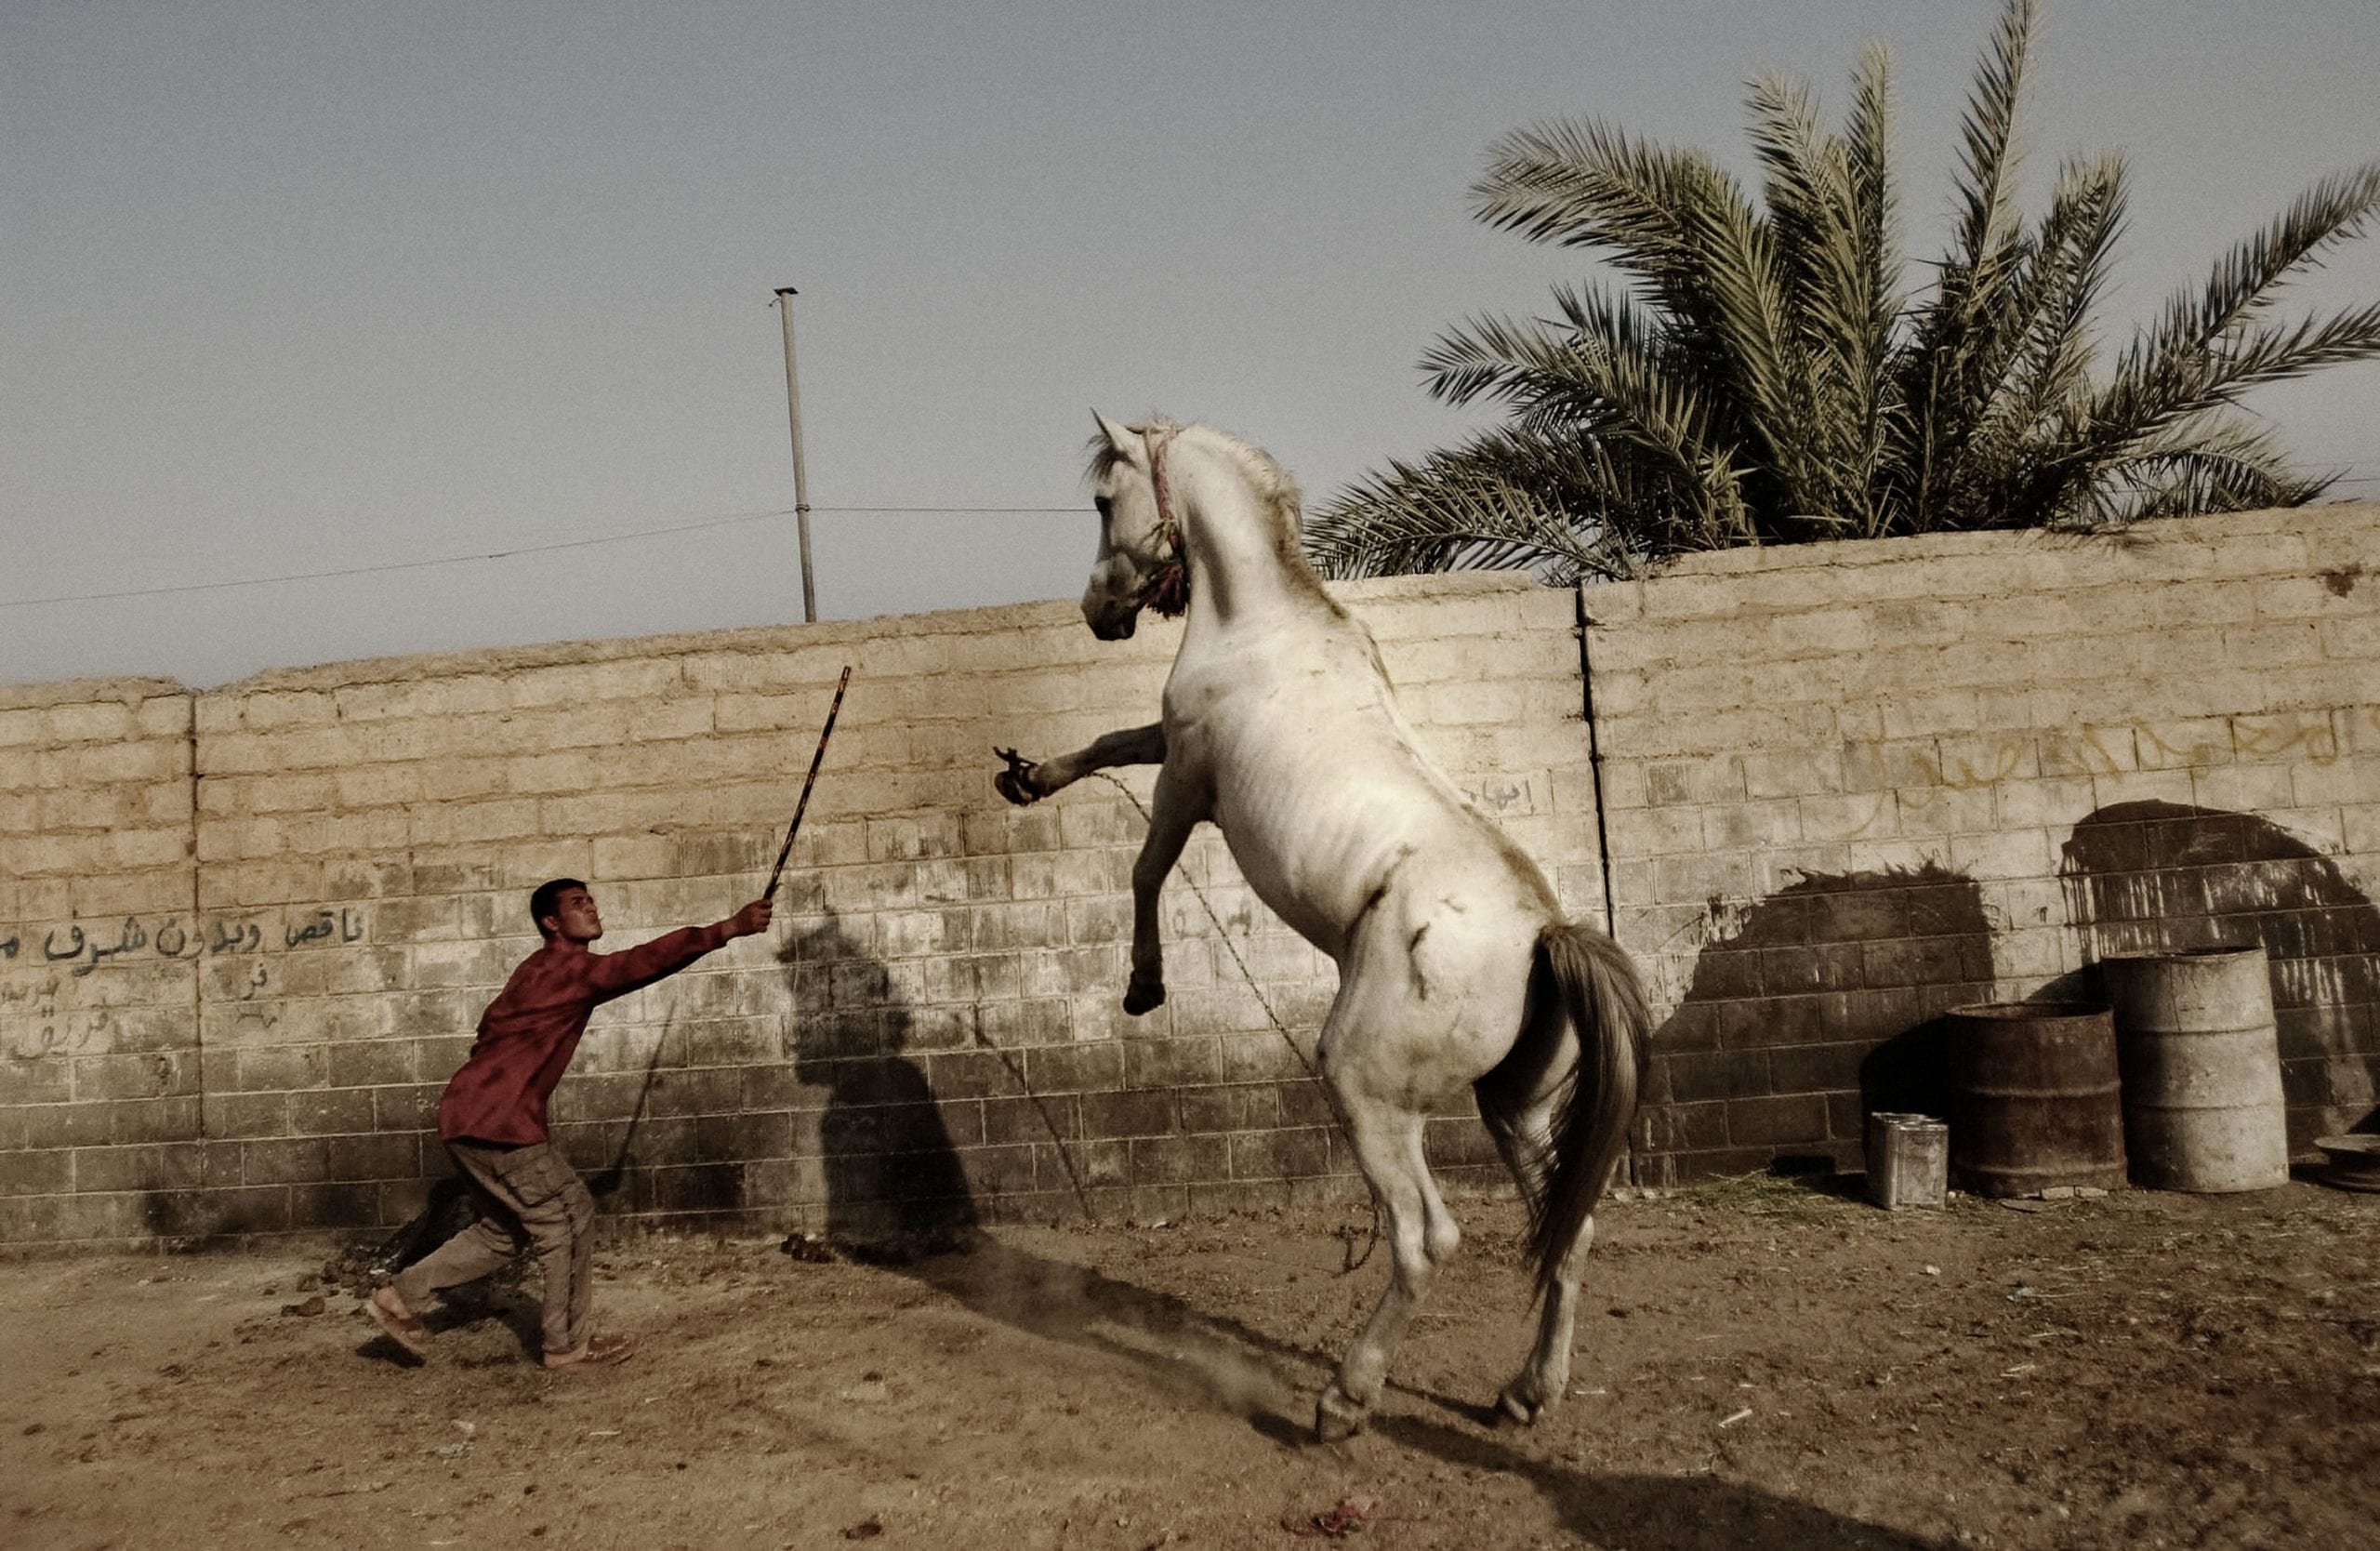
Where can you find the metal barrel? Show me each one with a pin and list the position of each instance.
(2035, 1097)
(2202, 1105)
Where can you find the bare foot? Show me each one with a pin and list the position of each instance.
(402, 1324)
(603, 1351)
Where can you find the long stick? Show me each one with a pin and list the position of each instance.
(800, 808)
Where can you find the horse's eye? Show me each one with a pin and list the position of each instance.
(1107, 508)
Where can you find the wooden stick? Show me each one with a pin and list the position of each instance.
(795, 828)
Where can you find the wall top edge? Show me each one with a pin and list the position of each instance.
(129, 691)
(1059, 616)
(2312, 521)
(748, 639)
(1063, 615)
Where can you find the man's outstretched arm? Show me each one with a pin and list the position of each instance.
(615, 974)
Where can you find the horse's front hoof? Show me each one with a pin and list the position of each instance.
(1336, 1417)
(1144, 996)
(1015, 783)
(1520, 1404)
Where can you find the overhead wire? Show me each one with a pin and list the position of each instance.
(519, 549)
(516, 551)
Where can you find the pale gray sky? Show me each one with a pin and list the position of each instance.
(296, 287)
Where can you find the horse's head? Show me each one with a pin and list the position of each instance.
(1140, 561)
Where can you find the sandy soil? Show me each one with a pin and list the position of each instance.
(1764, 1367)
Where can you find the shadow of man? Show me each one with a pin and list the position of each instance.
(895, 1188)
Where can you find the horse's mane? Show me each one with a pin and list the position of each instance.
(1271, 484)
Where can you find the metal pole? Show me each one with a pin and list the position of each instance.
(800, 479)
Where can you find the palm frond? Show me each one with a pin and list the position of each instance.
(2244, 281)
(2212, 463)
(1496, 501)
(1761, 372)
(1988, 158)
(2205, 349)
(1583, 184)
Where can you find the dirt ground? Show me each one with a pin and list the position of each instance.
(1762, 1366)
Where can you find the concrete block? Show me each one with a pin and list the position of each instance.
(2316, 736)
(2278, 644)
(2140, 785)
(246, 1116)
(643, 680)
(1674, 597)
(2008, 854)
(95, 721)
(1752, 826)
(1854, 816)
(2353, 778)
(2018, 804)
(2087, 751)
(2354, 639)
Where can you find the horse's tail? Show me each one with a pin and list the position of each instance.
(1606, 1004)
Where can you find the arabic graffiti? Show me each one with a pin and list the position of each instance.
(1503, 795)
(324, 926)
(44, 1010)
(29, 1021)
(85, 951)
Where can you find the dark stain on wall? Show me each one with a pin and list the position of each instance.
(2149, 876)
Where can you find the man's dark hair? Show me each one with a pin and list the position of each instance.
(547, 899)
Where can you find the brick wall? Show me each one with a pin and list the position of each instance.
(99, 1039)
(930, 1032)
(1850, 786)
(1844, 788)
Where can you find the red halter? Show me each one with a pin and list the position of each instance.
(1167, 589)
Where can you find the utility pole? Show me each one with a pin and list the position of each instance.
(800, 479)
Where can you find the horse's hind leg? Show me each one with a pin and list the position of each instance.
(1422, 1238)
(1521, 1125)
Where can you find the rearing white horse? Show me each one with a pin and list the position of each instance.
(1455, 964)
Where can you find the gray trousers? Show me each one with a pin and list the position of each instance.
(530, 1199)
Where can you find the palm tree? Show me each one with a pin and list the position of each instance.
(1767, 377)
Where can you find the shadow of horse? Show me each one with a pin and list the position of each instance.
(898, 1199)
(1191, 1354)
(1659, 1512)
(1203, 1358)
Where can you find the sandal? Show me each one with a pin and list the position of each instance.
(603, 1351)
(401, 1324)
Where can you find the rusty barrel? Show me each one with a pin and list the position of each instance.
(2035, 1097)
(2203, 1105)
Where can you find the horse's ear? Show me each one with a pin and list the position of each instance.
(1125, 441)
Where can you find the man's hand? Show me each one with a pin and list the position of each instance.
(751, 920)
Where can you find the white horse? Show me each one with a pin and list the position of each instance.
(1455, 964)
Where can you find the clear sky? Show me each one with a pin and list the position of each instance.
(294, 287)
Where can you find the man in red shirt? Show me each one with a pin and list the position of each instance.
(493, 1119)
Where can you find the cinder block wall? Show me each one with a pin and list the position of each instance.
(1844, 788)
(1850, 786)
(99, 949)
(930, 1033)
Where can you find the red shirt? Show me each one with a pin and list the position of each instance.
(531, 1030)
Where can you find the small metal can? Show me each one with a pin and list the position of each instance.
(1909, 1160)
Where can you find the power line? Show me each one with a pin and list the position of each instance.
(540, 548)
(610, 538)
